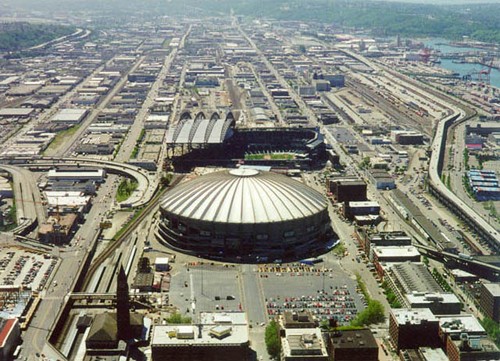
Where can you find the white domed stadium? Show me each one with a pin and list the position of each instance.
(245, 215)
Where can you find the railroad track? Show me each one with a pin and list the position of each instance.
(129, 229)
(386, 105)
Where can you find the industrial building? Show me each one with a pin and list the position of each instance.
(298, 320)
(245, 214)
(382, 179)
(423, 354)
(404, 137)
(394, 254)
(58, 229)
(16, 112)
(451, 326)
(336, 80)
(471, 348)
(69, 116)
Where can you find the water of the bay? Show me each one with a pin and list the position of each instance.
(462, 69)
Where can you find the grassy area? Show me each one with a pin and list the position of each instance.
(373, 313)
(270, 156)
(125, 189)
(61, 138)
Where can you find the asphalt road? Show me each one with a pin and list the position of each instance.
(66, 147)
(26, 194)
(62, 281)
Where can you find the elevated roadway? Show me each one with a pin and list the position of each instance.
(141, 196)
(29, 207)
(458, 114)
(446, 196)
(469, 264)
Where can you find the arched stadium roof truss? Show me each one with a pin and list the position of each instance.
(200, 130)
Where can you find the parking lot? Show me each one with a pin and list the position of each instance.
(326, 292)
(21, 267)
(212, 287)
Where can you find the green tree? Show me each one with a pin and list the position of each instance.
(492, 328)
(372, 314)
(177, 318)
(166, 179)
(125, 189)
(273, 341)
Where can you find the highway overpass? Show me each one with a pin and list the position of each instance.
(141, 196)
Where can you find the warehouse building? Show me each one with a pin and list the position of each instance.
(69, 116)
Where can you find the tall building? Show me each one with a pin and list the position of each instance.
(353, 345)
(9, 337)
(347, 189)
(490, 300)
(413, 328)
(122, 306)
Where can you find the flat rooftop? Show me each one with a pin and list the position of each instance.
(418, 297)
(190, 335)
(355, 339)
(212, 318)
(16, 112)
(304, 341)
(493, 288)
(460, 323)
(413, 316)
(396, 251)
(364, 204)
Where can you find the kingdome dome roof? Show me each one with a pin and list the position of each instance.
(243, 196)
